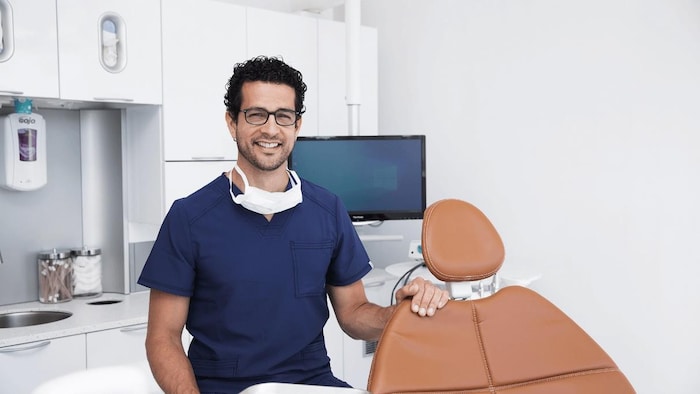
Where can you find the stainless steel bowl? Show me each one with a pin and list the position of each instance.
(31, 318)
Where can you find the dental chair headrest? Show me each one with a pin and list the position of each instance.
(459, 242)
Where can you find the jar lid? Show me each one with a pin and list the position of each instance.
(54, 254)
(86, 252)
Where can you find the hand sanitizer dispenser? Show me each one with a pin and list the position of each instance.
(22, 148)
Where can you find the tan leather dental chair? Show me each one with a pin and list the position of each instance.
(512, 341)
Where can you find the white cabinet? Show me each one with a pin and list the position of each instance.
(183, 177)
(24, 367)
(119, 346)
(202, 40)
(29, 58)
(109, 50)
(294, 38)
(43, 37)
(332, 104)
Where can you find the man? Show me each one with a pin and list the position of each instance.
(248, 260)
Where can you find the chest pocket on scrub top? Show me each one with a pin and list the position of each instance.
(311, 261)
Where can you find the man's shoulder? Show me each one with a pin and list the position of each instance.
(319, 195)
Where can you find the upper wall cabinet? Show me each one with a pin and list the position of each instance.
(294, 38)
(28, 55)
(109, 50)
(198, 59)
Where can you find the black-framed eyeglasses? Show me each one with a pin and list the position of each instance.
(259, 116)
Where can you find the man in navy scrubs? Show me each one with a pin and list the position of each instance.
(246, 262)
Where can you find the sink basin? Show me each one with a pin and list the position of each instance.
(30, 318)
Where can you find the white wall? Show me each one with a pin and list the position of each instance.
(575, 126)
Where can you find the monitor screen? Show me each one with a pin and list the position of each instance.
(377, 177)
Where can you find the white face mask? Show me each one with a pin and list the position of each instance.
(264, 202)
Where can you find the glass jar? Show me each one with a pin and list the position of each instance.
(87, 272)
(55, 276)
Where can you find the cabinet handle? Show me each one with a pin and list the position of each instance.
(20, 348)
(135, 328)
(128, 100)
(205, 158)
(14, 92)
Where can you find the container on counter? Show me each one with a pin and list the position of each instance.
(55, 276)
(87, 272)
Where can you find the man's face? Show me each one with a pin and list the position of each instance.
(265, 147)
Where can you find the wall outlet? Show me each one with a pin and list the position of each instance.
(415, 251)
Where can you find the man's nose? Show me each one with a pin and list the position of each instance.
(271, 125)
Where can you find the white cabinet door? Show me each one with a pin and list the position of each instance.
(119, 346)
(198, 60)
(294, 38)
(95, 67)
(29, 57)
(182, 178)
(24, 367)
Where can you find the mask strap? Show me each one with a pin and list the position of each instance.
(240, 172)
(291, 173)
(294, 177)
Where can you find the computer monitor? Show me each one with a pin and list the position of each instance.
(377, 177)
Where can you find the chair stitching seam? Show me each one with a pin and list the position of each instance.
(482, 348)
(492, 389)
(559, 377)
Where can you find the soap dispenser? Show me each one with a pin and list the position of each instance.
(22, 148)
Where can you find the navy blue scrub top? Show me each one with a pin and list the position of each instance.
(257, 288)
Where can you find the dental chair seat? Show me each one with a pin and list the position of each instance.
(511, 342)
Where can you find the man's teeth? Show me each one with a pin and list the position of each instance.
(268, 144)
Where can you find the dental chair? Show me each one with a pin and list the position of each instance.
(503, 341)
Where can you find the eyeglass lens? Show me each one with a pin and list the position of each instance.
(259, 116)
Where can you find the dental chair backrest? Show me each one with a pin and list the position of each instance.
(511, 342)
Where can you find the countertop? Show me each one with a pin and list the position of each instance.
(132, 310)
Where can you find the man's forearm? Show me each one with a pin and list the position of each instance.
(368, 321)
(170, 366)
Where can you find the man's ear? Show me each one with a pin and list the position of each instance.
(297, 126)
(231, 124)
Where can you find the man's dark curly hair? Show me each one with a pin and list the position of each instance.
(265, 69)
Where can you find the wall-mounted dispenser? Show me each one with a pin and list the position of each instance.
(22, 148)
(112, 42)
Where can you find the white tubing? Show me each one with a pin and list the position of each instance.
(352, 64)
